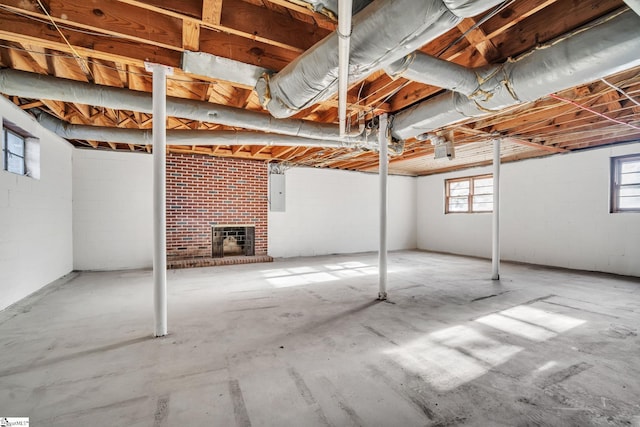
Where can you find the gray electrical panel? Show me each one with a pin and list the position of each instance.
(277, 202)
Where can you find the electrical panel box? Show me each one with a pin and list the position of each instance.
(277, 202)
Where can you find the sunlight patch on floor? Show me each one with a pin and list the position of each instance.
(450, 357)
(300, 276)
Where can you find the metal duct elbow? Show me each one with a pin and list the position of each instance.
(382, 33)
(608, 47)
(422, 68)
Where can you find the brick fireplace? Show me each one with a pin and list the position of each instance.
(206, 192)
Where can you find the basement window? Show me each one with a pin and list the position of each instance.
(469, 195)
(625, 183)
(20, 151)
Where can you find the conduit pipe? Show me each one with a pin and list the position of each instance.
(176, 137)
(382, 33)
(37, 86)
(607, 48)
(344, 34)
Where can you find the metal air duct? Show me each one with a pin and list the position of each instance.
(37, 86)
(176, 137)
(422, 68)
(610, 46)
(382, 33)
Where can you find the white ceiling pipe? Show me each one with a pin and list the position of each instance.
(176, 137)
(634, 4)
(382, 33)
(344, 36)
(37, 86)
(607, 48)
(422, 68)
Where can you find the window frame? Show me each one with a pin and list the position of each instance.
(616, 174)
(6, 152)
(470, 196)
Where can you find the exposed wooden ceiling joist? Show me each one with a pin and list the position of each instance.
(109, 41)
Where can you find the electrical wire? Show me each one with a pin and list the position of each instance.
(81, 60)
(481, 21)
(621, 91)
(584, 107)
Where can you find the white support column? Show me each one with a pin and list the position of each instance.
(495, 252)
(159, 133)
(384, 170)
(345, 8)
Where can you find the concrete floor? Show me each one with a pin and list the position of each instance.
(302, 342)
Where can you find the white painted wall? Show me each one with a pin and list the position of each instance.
(35, 215)
(554, 211)
(331, 211)
(112, 210)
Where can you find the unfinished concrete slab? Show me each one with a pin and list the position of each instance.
(304, 342)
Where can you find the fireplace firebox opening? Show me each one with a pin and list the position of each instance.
(232, 240)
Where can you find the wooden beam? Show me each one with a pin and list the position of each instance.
(516, 140)
(321, 20)
(221, 152)
(20, 60)
(29, 105)
(122, 72)
(540, 28)
(39, 56)
(71, 15)
(532, 144)
(56, 107)
(260, 22)
(190, 35)
(298, 151)
(277, 152)
(254, 52)
(479, 40)
(256, 149)
(247, 21)
(106, 73)
(513, 15)
(211, 11)
(24, 30)
(68, 68)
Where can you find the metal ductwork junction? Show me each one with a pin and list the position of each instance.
(609, 46)
(382, 33)
(330, 7)
(423, 68)
(36, 86)
(175, 137)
